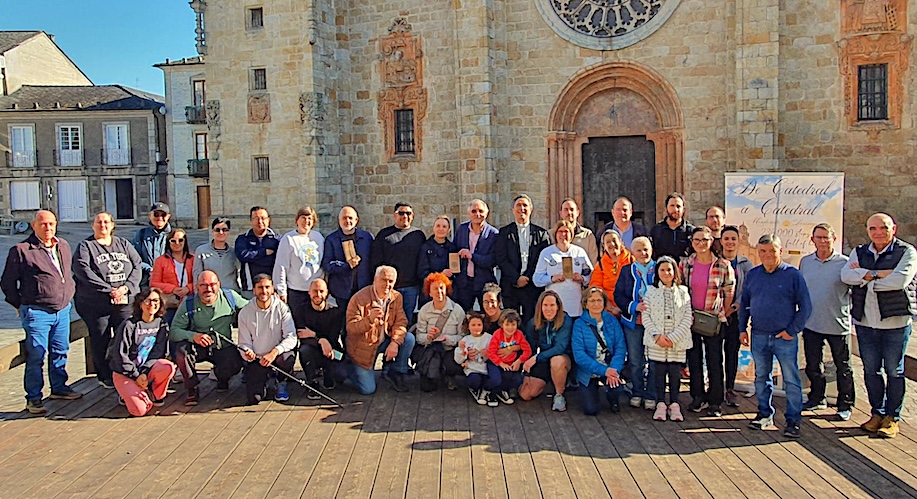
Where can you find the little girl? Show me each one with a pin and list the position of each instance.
(471, 353)
(667, 337)
(507, 351)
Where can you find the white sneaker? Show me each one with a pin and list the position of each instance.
(482, 397)
(649, 404)
(635, 402)
(661, 412)
(843, 415)
(560, 403)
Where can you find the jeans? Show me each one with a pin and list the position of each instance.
(490, 381)
(46, 332)
(731, 347)
(409, 295)
(814, 344)
(589, 396)
(672, 370)
(764, 348)
(101, 318)
(137, 401)
(709, 348)
(644, 386)
(365, 379)
(509, 380)
(884, 349)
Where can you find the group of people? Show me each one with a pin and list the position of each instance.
(624, 310)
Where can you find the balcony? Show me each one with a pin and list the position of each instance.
(68, 157)
(199, 168)
(115, 157)
(20, 159)
(195, 114)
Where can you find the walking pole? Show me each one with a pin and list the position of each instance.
(279, 370)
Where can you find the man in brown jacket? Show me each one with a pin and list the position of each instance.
(375, 324)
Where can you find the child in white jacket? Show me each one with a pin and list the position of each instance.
(471, 353)
(667, 337)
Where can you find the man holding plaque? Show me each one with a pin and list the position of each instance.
(346, 257)
(475, 242)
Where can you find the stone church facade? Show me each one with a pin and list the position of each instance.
(369, 103)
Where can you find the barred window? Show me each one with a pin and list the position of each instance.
(255, 18)
(261, 169)
(259, 79)
(872, 92)
(404, 131)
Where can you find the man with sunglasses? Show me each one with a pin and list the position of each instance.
(151, 241)
(398, 246)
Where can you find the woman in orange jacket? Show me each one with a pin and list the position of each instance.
(172, 272)
(614, 257)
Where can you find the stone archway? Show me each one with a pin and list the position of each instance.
(582, 111)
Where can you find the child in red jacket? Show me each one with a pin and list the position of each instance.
(508, 350)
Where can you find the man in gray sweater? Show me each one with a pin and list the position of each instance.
(267, 336)
(829, 322)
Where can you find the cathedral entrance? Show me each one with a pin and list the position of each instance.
(616, 130)
(618, 166)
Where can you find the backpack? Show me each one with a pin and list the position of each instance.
(189, 306)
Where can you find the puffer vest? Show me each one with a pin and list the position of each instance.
(896, 303)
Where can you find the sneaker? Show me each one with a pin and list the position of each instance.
(313, 394)
(328, 382)
(121, 400)
(178, 378)
(427, 385)
(815, 405)
(649, 404)
(66, 394)
(731, 399)
(159, 402)
(255, 399)
(660, 413)
(560, 403)
(35, 406)
(492, 400)
(503, 396)
(697, 405)
(107, 384)
(635, 402)
(675, 412)
(873, 425)
(222, 386)
(889, 428)
(192, 398)
(481, 396)
(761, 422)
(791, 431)
(474, 393)
(714, 411)
(282, 395)
(615, 406)
(844, 415)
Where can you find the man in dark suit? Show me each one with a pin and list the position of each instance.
(517, 249)
(621, 213)
(475, 242)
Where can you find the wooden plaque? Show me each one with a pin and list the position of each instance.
(567, 262)
(349, 251)
(455, 263)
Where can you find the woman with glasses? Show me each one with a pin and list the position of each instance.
(218, 256)
(711, 284)
(137, 355)
(107, 272)
(299, 262)
(172, 272)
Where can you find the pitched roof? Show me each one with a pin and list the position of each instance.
(86, 97)
(11, 39)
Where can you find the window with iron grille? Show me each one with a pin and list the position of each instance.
(259, 79)
(261, 169)
(255, 18)
(872, 92)
(404, 131)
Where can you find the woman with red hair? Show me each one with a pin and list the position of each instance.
(439, 329)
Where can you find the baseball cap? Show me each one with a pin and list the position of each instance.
(160, 207)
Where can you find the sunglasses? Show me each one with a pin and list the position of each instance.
(404, 213)
(159, 214)
(177, 240)
(220, 231)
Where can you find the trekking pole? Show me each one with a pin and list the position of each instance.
(281, 371)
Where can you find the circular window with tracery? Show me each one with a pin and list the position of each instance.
(605, 24)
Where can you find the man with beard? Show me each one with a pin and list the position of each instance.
(716, 220)
(672, 236)
(320, 338)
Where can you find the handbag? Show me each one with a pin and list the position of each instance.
(705, 323)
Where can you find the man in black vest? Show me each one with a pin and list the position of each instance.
(882, 274)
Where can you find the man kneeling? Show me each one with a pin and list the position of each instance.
(266, 336)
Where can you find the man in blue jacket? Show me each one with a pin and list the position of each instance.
(475, 241)
(345, 275)
(256, 249)
(150, 241)
(777, 301)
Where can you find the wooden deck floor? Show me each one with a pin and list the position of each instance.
(430, 445)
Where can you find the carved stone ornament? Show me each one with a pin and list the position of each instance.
(605, 24)
(873, 16)
(312, 109)
(401, 68)
(259, 108)
(212, 108)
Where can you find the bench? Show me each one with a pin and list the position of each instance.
(8, 224)
(12, 356)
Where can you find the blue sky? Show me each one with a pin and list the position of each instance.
(111, 41)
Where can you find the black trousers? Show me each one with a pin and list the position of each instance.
(312, 359)
(298, 301)
(709, 348)
(522, 298)
(672, 370)
(226, 362)
(814, 344)
(256, 375)
(731, 345)
(101, 319)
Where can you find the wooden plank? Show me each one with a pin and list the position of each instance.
(367, 454)
(299, 467)
(642, 468)
(579, 465)
(486, 453)
(425, 469)
(457, 478)
(392, 476)
(550, 473)
(518, 467)
(617, 477)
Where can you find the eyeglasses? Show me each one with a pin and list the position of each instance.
(152, 301)
(208, 284)
(404, 213)
(700, 240)
(220, 230)
(177, 240)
